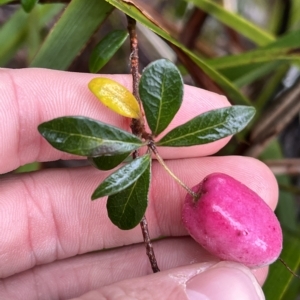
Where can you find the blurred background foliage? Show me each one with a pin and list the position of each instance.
(246, 50)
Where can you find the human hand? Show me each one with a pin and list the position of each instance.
(50, 228)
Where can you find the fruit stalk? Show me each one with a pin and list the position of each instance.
(161, 161)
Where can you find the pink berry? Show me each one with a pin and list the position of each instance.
(232, 222)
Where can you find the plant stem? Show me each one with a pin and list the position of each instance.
(161, 161)
(134, 57)
(138, 128)
(137, 125)
(288, 268)
(148, 245)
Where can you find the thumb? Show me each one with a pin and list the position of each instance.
(213, 281)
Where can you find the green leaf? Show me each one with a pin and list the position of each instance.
(87, 137)
(12, 35)
(28, 5)
(161, 91)
(235, 21)
(209, 127)
(5, 1)
(231, 91)
(279, 279)
(123, 177)
(106, 48)
(127, 208)
(255, 72)
(286, 209)
(108, 162)
(278, 50)
(31, 167)
(14, 32)
(71, 33)
(258, 56)
(270, 88)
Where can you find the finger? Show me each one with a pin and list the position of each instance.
(48, 215)
(92, 271)
(32, 96)
(203, 281)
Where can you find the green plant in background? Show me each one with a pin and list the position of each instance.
(247, 73)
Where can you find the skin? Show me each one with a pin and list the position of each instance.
(232, 222)
(50, 229)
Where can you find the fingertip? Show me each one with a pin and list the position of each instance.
(217, 283)
(214, 281)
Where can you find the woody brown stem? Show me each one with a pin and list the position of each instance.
(137, 128)
(148, 245)
(134, 56)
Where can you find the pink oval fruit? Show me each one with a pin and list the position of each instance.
(232, 222)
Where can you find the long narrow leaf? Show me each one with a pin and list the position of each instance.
(5, 1)
(280, 278)
(235, 21)
(28, 5)
(12, 35)
(71, 33)
(14, 32)
(277, 50)
(106, 48)
(232, 92)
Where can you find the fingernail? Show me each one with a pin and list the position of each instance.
(226, 281)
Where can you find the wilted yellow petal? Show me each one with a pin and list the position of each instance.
(115, 96)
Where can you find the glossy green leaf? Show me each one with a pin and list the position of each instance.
(209, 127)
(106, 48)
(235, 21)
(122, 178)
(279, 278)
(87, 137)
(71, 33)
(231, 91)
(161, 91)
(28, 5)
(127, 208)
(115, 96)
(108, 162)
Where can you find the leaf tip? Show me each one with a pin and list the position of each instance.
(94, 197)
